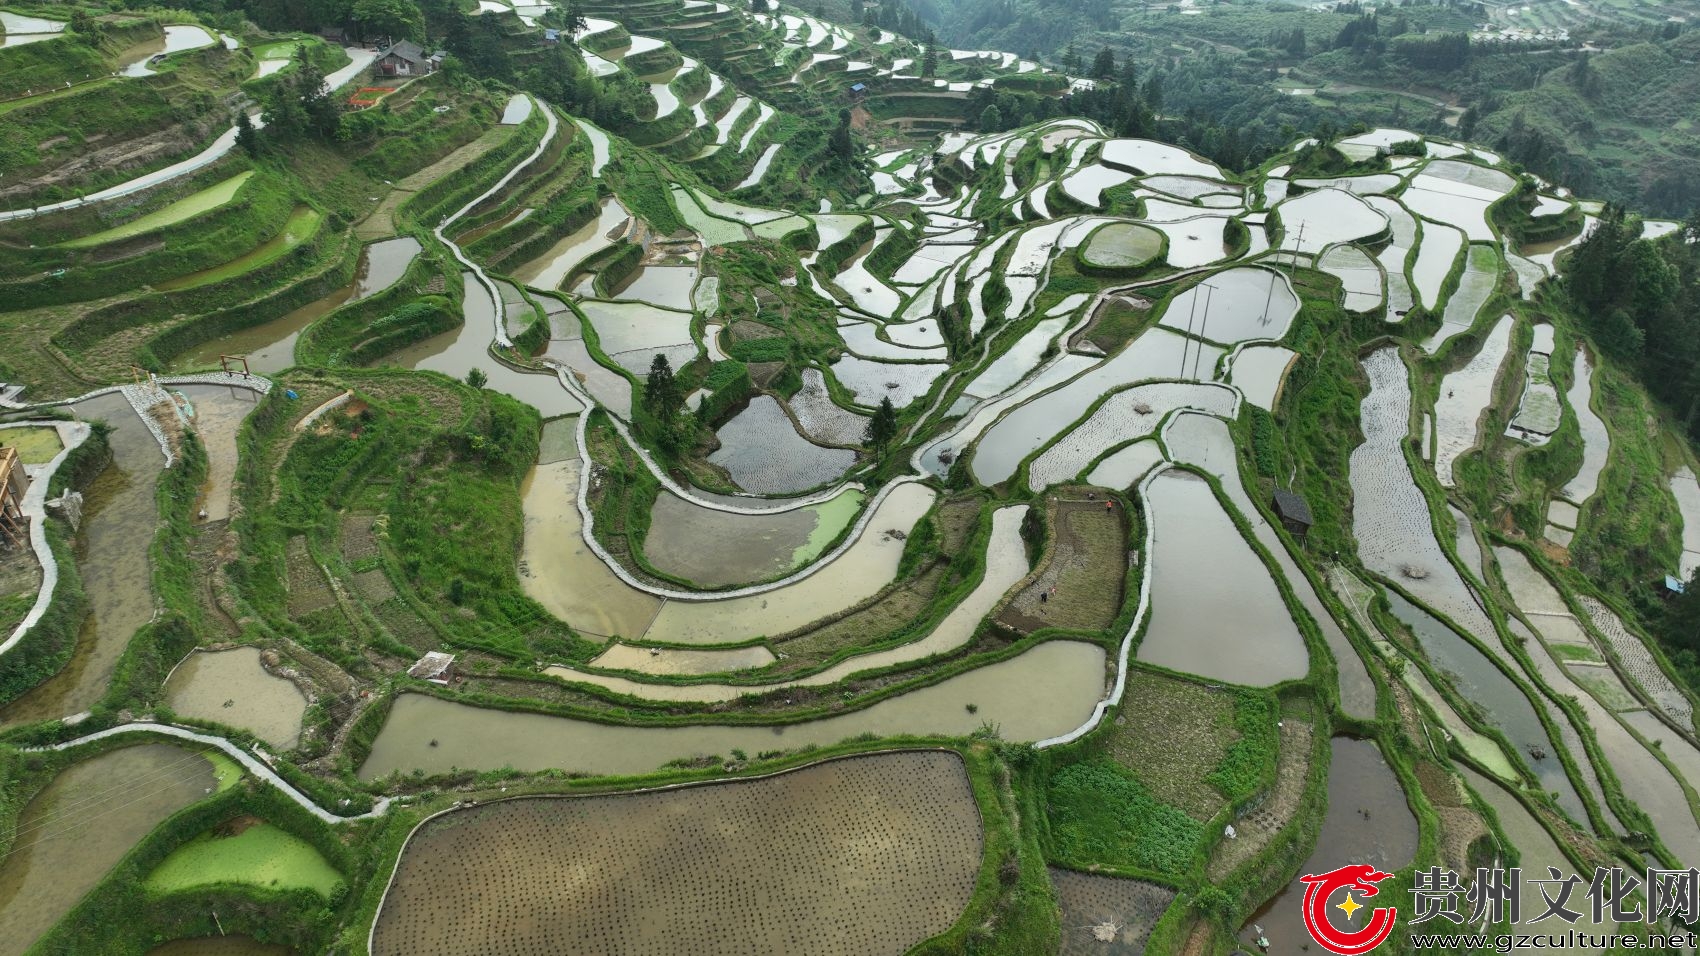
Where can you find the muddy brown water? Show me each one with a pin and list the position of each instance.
(231, 687)
(270, 346)
(559, 571)
(219, 411)
(1368, 821)
(1043, 692)
(81, 824)
(119, 519)
(458, 351)
(856, 857)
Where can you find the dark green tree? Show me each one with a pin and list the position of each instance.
(395, 19)
(246, 136)
(991, 119)
(882, 427)
(661, 396)
(1104, 64)
(476, 378)
(573, 19)
(842, 143)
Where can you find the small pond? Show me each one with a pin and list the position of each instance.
(231, 687)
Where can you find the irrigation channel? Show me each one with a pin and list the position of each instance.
(1138, 436)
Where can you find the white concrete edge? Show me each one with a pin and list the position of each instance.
(552, 126)
(643, 678)
(329, 406)
(1114, 697)
(619, 570)
(247, 760)
(1119, 442)
(35, 509)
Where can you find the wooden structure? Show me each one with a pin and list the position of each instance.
(436, 667)
(404, 59)
(1294, 513)
(14, 524)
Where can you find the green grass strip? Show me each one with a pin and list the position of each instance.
(189, 206)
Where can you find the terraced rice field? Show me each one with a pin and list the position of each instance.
(1199, 561)
(1106, 915)
(245, 850)
(747, 867)
(762, 452)
(180, 211)
(231, 687)
(769, 544)
(1464, 397)
(1044, 692)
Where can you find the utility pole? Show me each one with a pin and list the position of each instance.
(1186, 343)
(1202, 326)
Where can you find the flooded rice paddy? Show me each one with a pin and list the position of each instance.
(82, 823)
(1595, 438)
(858, 857)
(1495, 695)
(119, 520)
(1122, 245)
(1686, 491)
(1215, 611)
(232, 687)
(1436, 257)
(1205, 443)
(458, 351)
(902, 382)
(1323, 217)
(763, 453)
(1390, 516)
(1159, 353)
(1359, 276)
(719, 548)
(270, 346)
(1480, 277)
(633, 333)
(1124, 416)
(1235, 305)
(1122, 469)
(557, 264)
(1367, 821)
(1464, 397)
(1040, 693)
(854, 576)
(1006, 563)
(1259, 371)
(821, 419)
(560, 572)
(219, 411)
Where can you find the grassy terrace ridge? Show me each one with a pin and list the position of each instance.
(920, 280)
